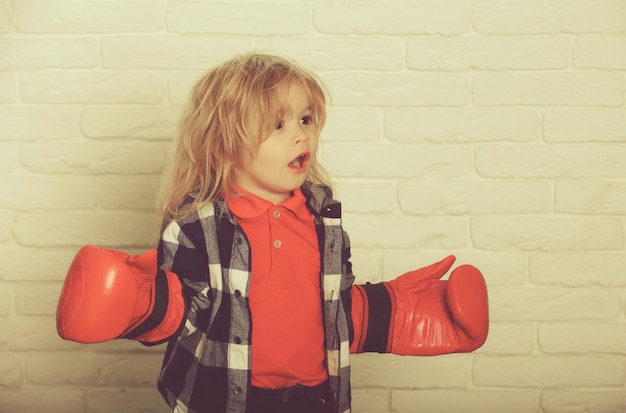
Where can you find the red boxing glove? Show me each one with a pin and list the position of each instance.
(418, 314)
(109, 294)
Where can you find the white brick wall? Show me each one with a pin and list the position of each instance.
(490, 129)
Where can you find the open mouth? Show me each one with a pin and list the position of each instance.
(300, 161)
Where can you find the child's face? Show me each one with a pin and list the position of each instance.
(282, 161)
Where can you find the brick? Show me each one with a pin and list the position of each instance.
(392, 17)
(461, 125)
(406, 232)
(6, 226)
(365, 197)
(468, 400)
(130, 123)
(352, 125)
(32, 333)
(59, 399)
(548, 371)
(375, 370)
(570, 401)
(553, 304)
(488, 53)
(6, 301)
(179, 86)
(367, 265)
(85, 369)
(5, 18)
(395, 161)
(576, 269)
(10, 371)
(93, 158)
(370, 401)
(436, 197)
(35, 264)
(338, 53)
(582, 338)
(78, 229)
(398, 89)
(90, 87)
(553, 161)
(8, 88)
(509, 339)
(136, 192)
(46, 192)
(8, 157)
(599, 53)
(27, 123)
(44, 53)
(549, 89)
(88, 17)
(549, 17)
(590, 197)
(125, 400)
(169, 52)
(584, 125)
(257, 19)
(543, 233)
(37, 299)
(498, 268)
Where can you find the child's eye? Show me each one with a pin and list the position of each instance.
(280, 124)
(306, 120)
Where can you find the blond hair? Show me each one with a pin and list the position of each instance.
(230, 111)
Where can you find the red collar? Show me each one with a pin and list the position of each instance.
(246, 205)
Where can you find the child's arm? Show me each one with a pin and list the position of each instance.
(419, 314)
(109, 294)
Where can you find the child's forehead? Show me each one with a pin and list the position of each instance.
(291, 96)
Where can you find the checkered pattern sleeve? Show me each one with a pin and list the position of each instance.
(206, 365)
(182, 250)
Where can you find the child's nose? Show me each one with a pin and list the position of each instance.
(302, 139)
(300, 135)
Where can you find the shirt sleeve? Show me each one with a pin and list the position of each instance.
(348, 278)
(182, 251)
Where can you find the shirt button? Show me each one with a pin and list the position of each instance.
(277, 243)
(237, 390)
(237, 293)
(276, 213)
(237, 340)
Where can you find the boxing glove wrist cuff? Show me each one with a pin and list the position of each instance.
(378, 318)
(156, 310)
(164, 314)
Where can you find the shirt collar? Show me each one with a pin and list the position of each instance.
(246, 205)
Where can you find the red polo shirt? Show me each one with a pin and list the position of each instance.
(285, 293)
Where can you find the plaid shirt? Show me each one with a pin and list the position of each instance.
(206, 368)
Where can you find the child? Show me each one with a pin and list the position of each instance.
(254, 288)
